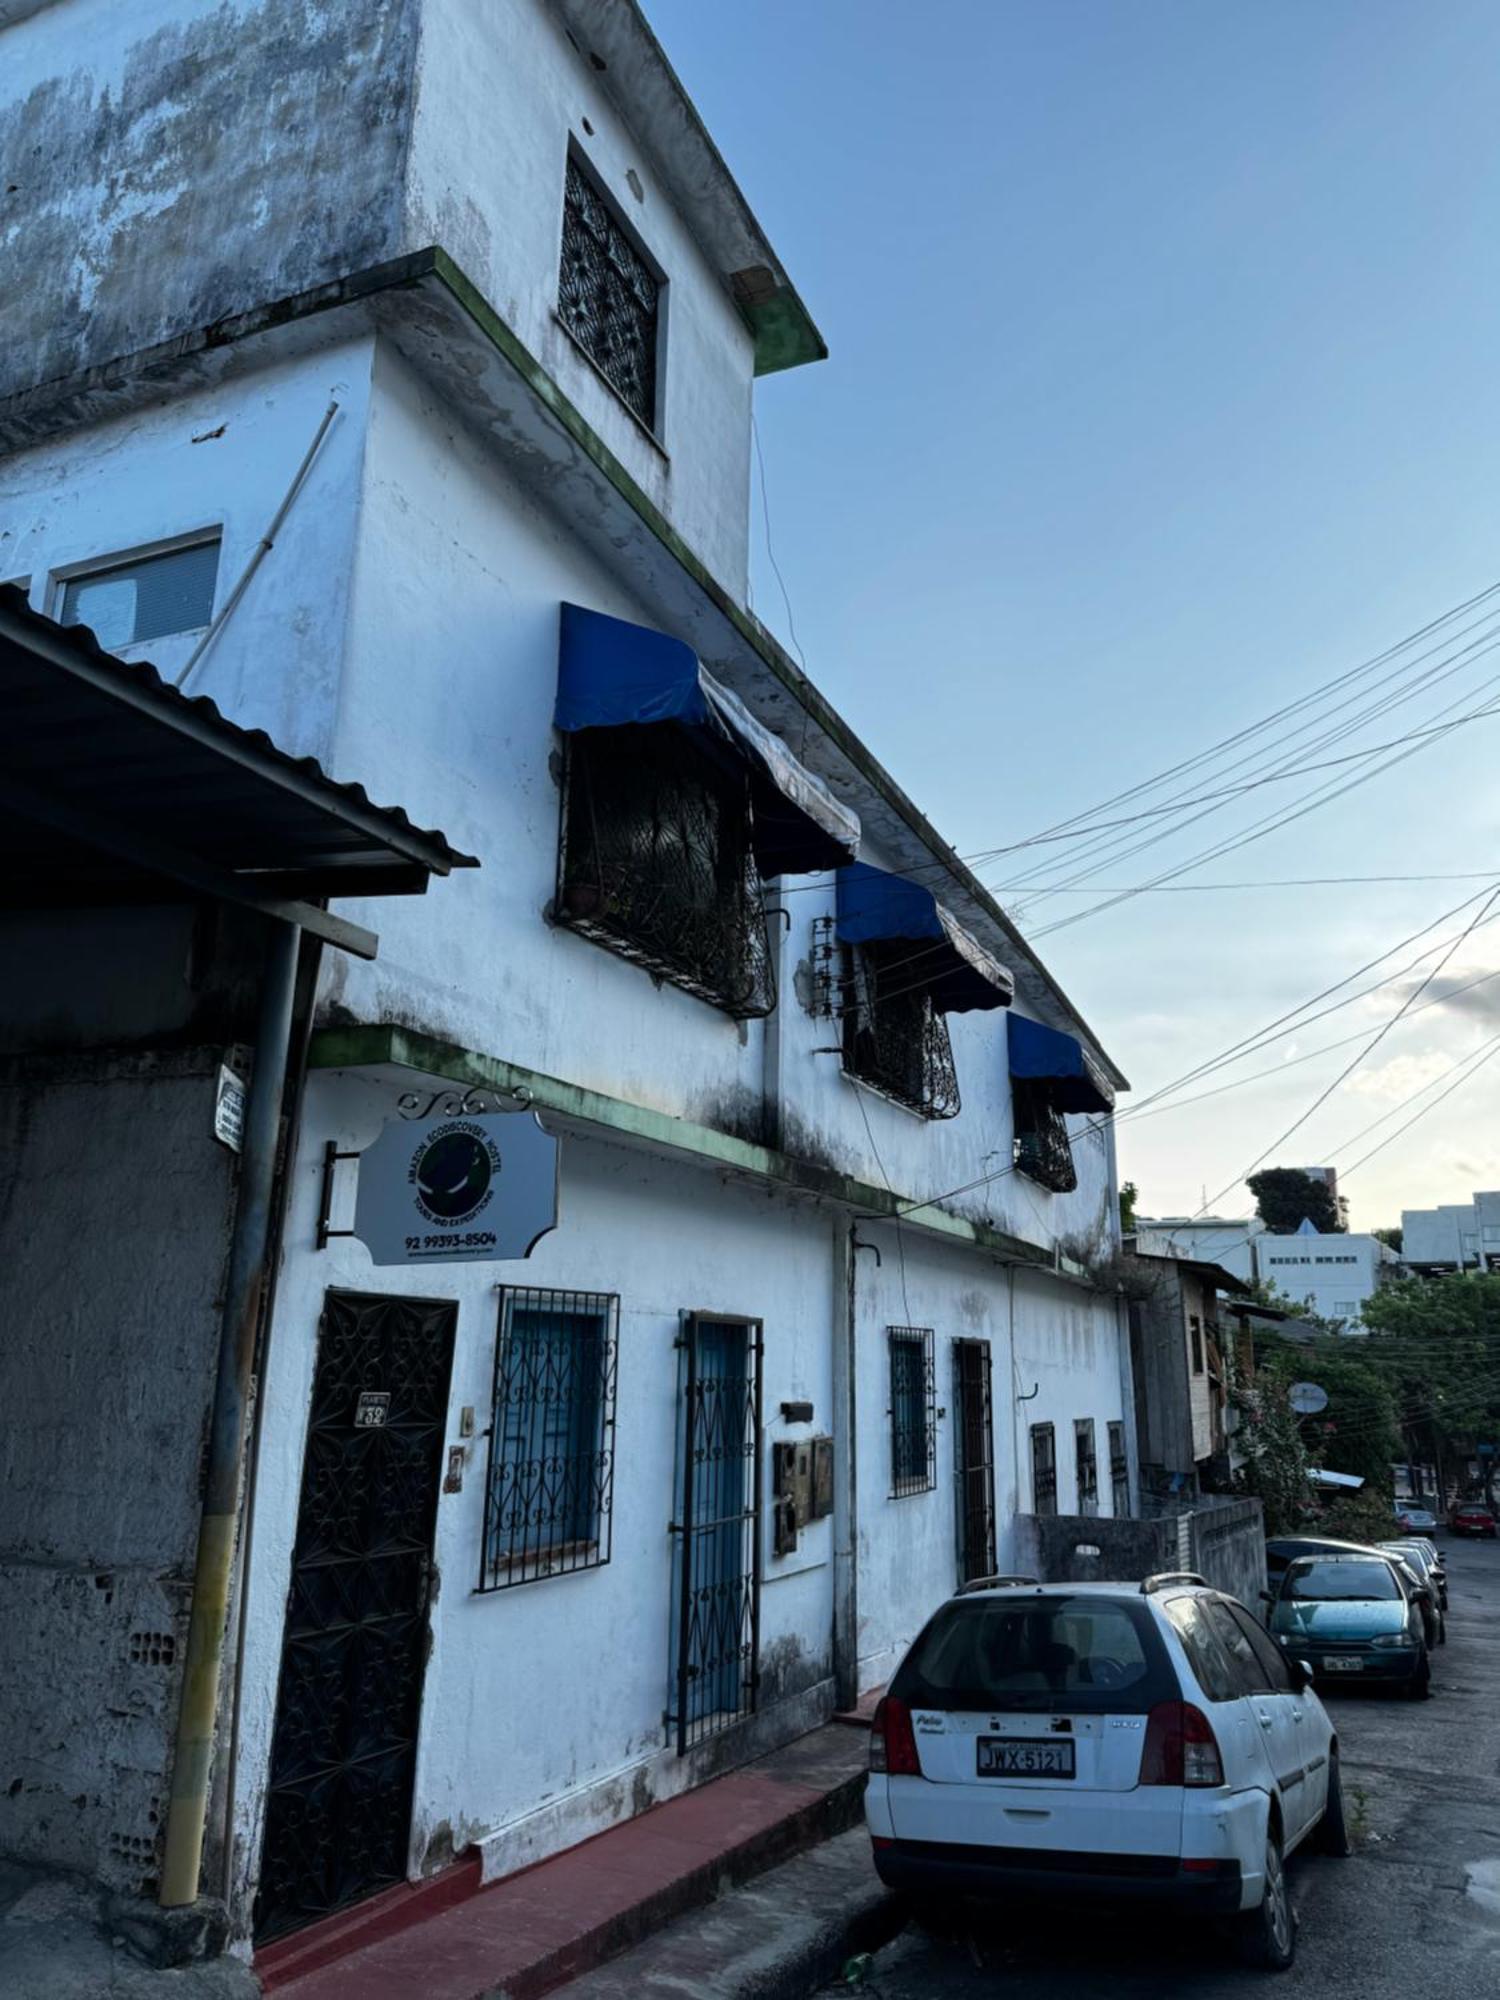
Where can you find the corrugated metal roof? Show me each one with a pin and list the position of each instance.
(94, 742)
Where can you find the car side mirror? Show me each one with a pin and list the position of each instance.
(1302, 1674)
(1268, 1597)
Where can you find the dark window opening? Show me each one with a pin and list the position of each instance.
(1195, 1334)
(1043, 1469)
(126, 603)
(1088, 1465)
(549, 1496)
(1119, 1472)
(1043, 1152)
(894, 1039)
(608, 297)
(656, 864)
(913, 1411)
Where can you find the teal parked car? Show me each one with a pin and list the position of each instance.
(1351, 1618)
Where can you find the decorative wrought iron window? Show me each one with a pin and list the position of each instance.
(608, 296)
(550, 1491)
(1119, 1472)
(974, 1459)
(913, 1410)
(894, 1038)
(1195, 1337)
(1086, 1458)
(1043, 1469)
(1043, 1153)
(655, 863)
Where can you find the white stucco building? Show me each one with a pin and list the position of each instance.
(837, 1160)
(1330, 1274)
(1454, 1237)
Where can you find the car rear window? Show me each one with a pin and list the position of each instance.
(1337, 1582)
(1087, 1654)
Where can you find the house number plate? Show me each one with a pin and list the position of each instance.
(372, 1409)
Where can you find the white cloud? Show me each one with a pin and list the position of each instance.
(1389, 1082)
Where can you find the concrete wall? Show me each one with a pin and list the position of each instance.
(1077, 1548)
(1227, 1545)
(1333, 1275)
(1229, 1243)
(177, 163)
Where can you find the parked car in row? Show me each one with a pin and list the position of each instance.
(1353, 1616)
(1472, 1517)
(1285, 1549)
(1413, 1518)
(1421, 1557)
(1107, 1740)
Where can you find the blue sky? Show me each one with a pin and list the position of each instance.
(1163, 387)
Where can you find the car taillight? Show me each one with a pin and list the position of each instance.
(1180, 1747)
(893, 1745)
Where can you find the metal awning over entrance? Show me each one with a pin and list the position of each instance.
(112, 783)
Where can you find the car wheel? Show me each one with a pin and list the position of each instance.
(1333, 1831)
(1442, 1631)
(1419, 1687)
(1268, 1935)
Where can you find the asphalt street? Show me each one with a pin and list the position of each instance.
(1413, 1914)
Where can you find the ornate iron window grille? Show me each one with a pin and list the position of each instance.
(1119, 1472)
(894, 1039)
(1043, 1469)
(974, 1460)
(716, 1535)
(655, 864)
(608, 297)
(549, 1494)
(1087, 1458)
(913, 1410)
(1042, 1152)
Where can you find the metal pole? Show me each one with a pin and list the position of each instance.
(845, 1469)
(193, 1750)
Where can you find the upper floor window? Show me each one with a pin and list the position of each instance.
(1119, 1471)
(1195, 1337)
(608, 296)
(1051, 1074)
(151, 597)
(677, 805)
(893, 1037)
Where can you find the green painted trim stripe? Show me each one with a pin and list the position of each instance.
(367, 1048)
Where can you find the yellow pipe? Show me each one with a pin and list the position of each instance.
(193, 1756)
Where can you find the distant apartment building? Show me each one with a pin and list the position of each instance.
(1456, 1236)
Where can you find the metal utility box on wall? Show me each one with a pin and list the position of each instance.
(801, 1487)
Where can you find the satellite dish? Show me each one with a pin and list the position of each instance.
(1307, 1399)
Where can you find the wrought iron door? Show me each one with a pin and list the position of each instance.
(338, 1812)
(716, 1582)
(974, 1460)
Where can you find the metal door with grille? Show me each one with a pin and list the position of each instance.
(338, 1810)
(974, 1460)
(716, 1536)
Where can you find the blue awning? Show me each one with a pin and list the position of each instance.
(955, 969)
(1045, 1055)
(612, 675)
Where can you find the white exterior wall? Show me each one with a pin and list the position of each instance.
(1229, 1243)
(500, 91)
(1332, 1274)
(1455, 1234)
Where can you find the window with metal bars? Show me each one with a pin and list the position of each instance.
(608, 295)
(550, 1490)
(1119, 1472)
(655, 863)
(1043, 1469)
(894, 1039)
(1042, 1151)
(913, 1410)
(1195, 1336)
(1086, 1459)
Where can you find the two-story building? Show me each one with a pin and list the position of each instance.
(385, 373)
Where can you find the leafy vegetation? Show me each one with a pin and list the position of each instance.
(1285, 1197)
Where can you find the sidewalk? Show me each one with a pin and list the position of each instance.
(526, 1935)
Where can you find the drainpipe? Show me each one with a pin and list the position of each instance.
(192, 1756)
(845, 1508)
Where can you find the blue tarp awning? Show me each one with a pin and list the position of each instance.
(612, 674)
(874, 907)
(1045, 1055)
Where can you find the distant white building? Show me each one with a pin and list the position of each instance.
(1454, 1236)
(1331, 1275)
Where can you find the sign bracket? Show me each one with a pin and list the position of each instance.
(331, 1158)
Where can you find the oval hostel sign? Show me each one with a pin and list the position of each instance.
(436, 1190)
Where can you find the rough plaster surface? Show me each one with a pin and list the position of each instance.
(61, 1939)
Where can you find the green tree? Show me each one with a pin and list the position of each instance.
(1437, 1340)
(1285, 1197)
(1359, 1432)
(1391, 1238)
(1130, 1194)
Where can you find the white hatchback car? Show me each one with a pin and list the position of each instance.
(1107, 1739)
